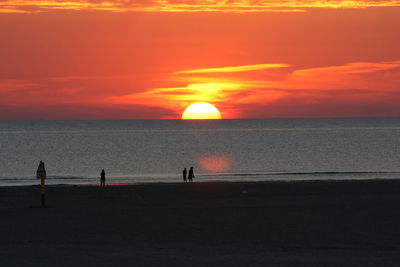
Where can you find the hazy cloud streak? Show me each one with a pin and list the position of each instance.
(236, 68)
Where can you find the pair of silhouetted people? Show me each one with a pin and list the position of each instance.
(102, 178)
(190, 176)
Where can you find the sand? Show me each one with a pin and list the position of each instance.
(332, 223)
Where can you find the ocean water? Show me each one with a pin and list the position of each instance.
(145, 151)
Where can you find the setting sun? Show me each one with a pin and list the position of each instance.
(201, 111)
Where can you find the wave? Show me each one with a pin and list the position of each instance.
(315, 173)
(196, 130)
(9, 179)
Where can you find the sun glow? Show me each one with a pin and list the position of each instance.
(218, 162)
(201, 111)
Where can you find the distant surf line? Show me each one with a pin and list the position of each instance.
(294, 129)
(302, 173)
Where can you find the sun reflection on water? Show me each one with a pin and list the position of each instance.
(219, 162)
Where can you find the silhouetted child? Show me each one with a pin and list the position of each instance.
(191, 174)
(184, 172)
(102, 178)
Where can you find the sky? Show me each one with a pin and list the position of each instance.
(150, 59)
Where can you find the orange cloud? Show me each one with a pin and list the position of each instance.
(358, 75)
(199, 89)
(361, 81)
(235, 6)
(9, 86)
(236, 68)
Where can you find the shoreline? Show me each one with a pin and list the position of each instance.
(332, 180)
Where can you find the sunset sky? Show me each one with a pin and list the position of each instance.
(149, 59)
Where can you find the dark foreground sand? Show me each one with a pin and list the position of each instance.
(353, 223)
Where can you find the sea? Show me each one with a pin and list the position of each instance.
(156, 151)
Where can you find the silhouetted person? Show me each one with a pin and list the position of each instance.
(184, 172)
(191, 174)
(102, 178)
(41, 174)
(41, 171)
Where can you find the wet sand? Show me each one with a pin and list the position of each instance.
(332, 223)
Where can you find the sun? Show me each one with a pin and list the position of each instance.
(201, 111)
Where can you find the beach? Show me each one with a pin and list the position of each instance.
(303, 223)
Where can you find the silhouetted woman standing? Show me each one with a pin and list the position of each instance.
(102, 178)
